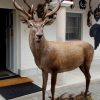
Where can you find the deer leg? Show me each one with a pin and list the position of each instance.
(45, 78)
(88, 77)
(53, 83)
(86, 72)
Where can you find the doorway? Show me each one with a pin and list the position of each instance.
(2, 39)
(6, 39)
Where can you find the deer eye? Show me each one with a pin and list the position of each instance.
(30, 25)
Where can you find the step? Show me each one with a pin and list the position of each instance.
(14, 81)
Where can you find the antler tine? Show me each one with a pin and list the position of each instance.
(45, 10)
(55, 9)
(27, 4)
(32, 12)
(17, 6)
(31, 9)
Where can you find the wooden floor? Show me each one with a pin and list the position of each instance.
(14, 81)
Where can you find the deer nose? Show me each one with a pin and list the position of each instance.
(39, 36)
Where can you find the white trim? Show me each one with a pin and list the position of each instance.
(61, 23)
(7, 4)
(17, 42)
(63, 4)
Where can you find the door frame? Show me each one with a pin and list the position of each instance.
(17, 42)
(9, 41)
(15, 56)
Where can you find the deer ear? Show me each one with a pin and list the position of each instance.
(23, 19)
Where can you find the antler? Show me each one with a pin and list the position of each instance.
(27, 4)
(29, 13)
(45, 10)
(31, 8)
(54, 10)
(17, 6)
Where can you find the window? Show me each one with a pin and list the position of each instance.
(73, 26)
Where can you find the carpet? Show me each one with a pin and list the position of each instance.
(10, 92)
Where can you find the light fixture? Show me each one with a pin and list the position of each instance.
(65, 3)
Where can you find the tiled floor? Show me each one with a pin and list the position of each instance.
(66, 83)
(74, 89)
(68, 78)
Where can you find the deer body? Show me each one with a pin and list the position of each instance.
(55, 57)
(60, 56)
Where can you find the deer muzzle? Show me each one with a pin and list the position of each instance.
(38, 37)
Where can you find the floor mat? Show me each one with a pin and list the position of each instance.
(14, 91)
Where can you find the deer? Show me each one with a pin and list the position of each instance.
(54, 56)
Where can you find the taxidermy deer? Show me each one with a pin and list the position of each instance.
(54, 57)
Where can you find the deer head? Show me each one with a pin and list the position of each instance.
(29, 17)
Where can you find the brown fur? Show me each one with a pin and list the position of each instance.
(56, 57)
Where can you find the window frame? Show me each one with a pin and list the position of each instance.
(81, 30)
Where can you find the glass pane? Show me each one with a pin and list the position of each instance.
(73, 26)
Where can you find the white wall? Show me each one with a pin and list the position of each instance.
(61, 24)
(27, 60)
(50, 32)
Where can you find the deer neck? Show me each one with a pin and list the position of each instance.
(37, 48)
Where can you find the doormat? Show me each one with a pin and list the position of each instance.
(11, 92)
(14, 81)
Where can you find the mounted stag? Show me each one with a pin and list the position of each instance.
(55, 57)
